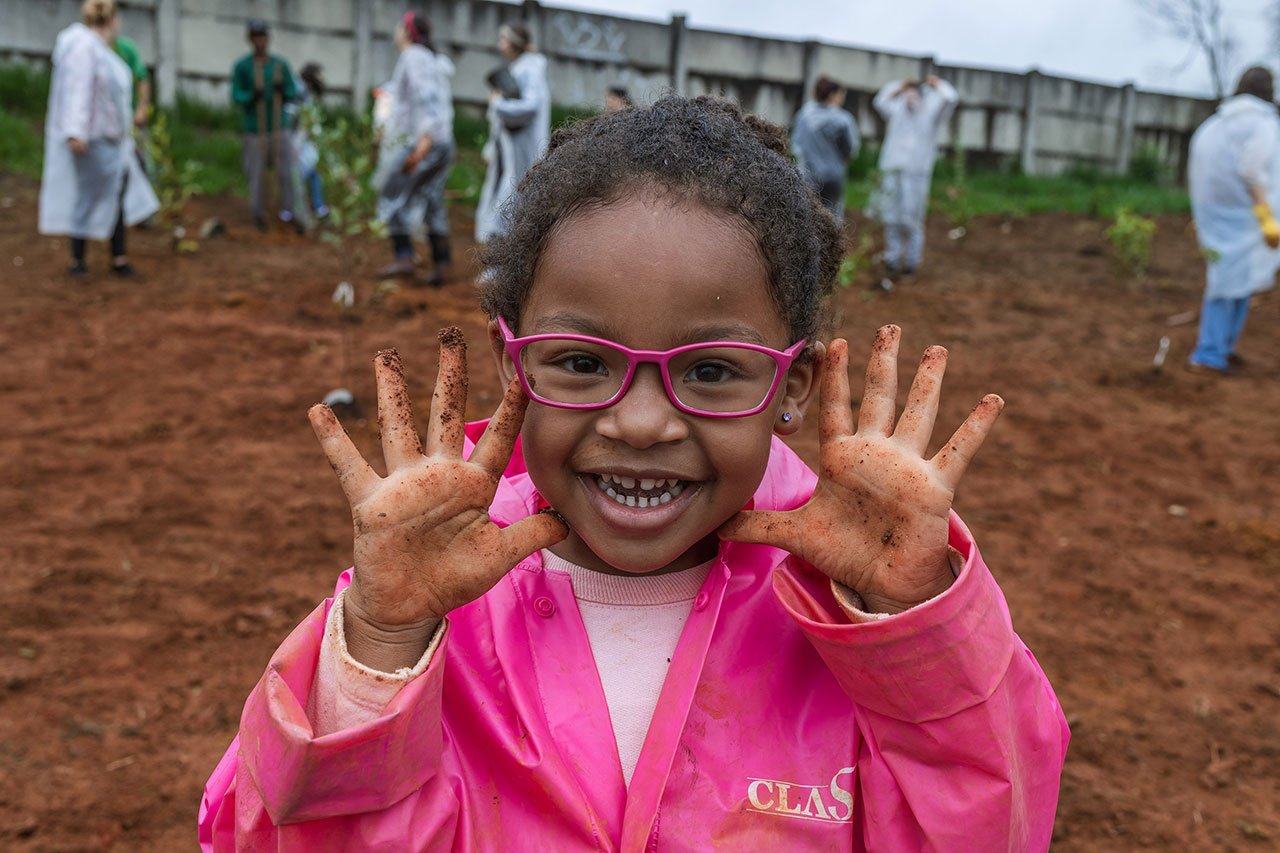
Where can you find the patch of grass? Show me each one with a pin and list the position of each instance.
(470, 130)
(1099, 196)
(21, 149)
(466, 177)
(562, 115)
(215, 155)
(192, 113)
(1000, 193)
(24, 90)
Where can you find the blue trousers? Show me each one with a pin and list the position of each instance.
(314, 191)
(1221, 321)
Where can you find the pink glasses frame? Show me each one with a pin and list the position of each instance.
(635, 357)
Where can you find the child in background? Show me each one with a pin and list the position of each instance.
(824, 138)
(310, 85)
(650, 626)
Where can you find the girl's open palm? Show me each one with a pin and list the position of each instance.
(878, 518)
(424, 543)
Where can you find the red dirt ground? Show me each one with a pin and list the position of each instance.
(167, 516)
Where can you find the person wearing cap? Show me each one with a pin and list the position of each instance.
(824, 137)
(519, 128)
(261, 84)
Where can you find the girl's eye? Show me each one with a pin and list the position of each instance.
(584, 364)
(709, 373)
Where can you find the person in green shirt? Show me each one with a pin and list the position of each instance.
(261, 84)
(127, 50)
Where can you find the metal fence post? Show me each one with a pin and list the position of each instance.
(679, 66)
(168, 51)
(361, 55)
(1029, 105)
(1128, 102)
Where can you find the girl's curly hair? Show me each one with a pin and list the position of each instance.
(702, 150)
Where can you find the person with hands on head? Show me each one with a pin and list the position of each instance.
(622, 615)
(914, 114)
(261, 84)
(1234, 177)
(416, 149)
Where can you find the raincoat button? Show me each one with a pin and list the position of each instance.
(700, 603)
(544, 606)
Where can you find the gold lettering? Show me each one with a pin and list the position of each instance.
(783, 805)
(842, 795)
(753, 794)
(815, 802)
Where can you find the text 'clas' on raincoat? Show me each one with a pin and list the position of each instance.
(1236, 148)
(781, 725)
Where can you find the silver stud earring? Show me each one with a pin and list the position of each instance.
(786, 417)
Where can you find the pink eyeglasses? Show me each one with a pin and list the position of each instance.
(719, 379)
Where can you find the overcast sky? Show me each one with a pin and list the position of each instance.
(1107, 40)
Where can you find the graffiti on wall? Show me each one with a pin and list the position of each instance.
(583, 37)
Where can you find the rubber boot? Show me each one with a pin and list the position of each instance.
(441, 258)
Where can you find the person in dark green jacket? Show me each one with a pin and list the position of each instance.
(261, 84)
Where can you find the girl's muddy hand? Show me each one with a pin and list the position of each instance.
(878, 518)
(424, 544)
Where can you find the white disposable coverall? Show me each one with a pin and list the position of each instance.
(1237, 147)
(913, 119)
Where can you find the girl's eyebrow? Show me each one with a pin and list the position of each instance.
(570, 323)
(566, 321)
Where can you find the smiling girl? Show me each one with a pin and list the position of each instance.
(651, 627)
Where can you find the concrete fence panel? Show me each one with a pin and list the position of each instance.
(1047, 123)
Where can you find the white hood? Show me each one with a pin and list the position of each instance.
(1237, 104)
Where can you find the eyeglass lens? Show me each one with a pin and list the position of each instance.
(714, 379)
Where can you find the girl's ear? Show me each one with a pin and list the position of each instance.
(506, 370)
(799, 389)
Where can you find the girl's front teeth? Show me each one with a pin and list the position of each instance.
(610, 484)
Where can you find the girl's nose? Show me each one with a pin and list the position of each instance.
(645, 416)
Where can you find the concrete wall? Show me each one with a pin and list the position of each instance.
(1045, 123)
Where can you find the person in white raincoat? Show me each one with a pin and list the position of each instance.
(519, 129)
(93, 186)
(1234, 173)
(914, 113)
(416, 148)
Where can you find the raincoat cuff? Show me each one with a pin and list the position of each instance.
(934, 660)
(854, 607)
(347, 693)
(302, 775)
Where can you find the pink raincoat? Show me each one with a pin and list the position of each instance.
(780, 726)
